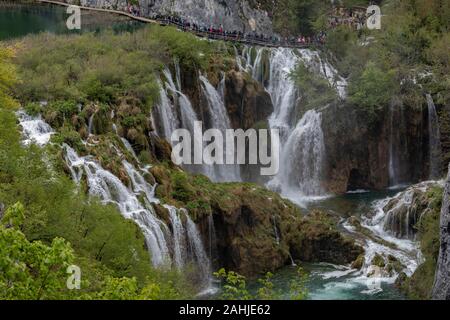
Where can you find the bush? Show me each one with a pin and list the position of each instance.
(373, 90)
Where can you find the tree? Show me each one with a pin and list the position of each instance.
(7, 77)
(373, 89)
(30, 270)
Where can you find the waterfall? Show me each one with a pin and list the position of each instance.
(282, 89)
(303, 149)
(110, 189)
(91, 124)
(34, 129)
(179, 246)
(219, 120)
(212, 238)
(302, 159)
(434, 140)
(313, 60)
(394, 137)
(196, 247)
(128, 146)
(161, 241)
(166, 113)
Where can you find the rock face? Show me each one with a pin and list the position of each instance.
(359, 155)
(403, 212)
(232, 14)
(441, 288)
(251, 230)
(247, 102)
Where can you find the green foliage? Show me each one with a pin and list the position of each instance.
(420, 285)
(234, 287)
(316, 91)
(100, 68)
(7, 77)
(373, 90)
(266, 291)
(298, 290)
(30, 270)
(192, 52)
(14, 216)
(298, 16)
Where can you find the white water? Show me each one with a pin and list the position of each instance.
(303, 150)
(179, 241)
(393, 159)
(128, 146)
(110, 189)
(34, 129)
(220, 121)
(160, 240)
(302, 160)
(405, 249)
(167, 114)
(434, 140)
(91, 124)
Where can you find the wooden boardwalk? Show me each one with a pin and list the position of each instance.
(208, 35)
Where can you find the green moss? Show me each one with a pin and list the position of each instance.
(419, 286)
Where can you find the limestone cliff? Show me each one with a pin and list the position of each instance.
(232, 15)
(441, 288)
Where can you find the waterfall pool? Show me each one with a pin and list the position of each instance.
(333, 282)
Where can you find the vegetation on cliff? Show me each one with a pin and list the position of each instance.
(420, 285)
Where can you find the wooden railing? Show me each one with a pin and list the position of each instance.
(246, 39)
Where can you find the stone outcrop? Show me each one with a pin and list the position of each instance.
(404, 211)
(232, 14)
(358, 154)
(441, 288)
(246, 100)
(250, 229)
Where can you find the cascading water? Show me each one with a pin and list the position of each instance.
(35, 130)
(219, 120)
(160, 240)
(302, 159)
(434, 134)
(110, 189)
(282, 89)
(166, 112)
(179, 242)
(128, 146)
(303, 149)
(91, 124)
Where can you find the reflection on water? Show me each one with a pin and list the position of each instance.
(18, 20)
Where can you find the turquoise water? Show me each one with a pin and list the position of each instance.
(330, 282)
(20, 20)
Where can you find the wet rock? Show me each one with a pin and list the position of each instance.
(247, 102)
(441, 289)
(359, 262)
(358, 153)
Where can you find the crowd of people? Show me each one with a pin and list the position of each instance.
(219, 32)
(352, 17)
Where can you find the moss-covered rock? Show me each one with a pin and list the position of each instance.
(255, 229)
